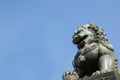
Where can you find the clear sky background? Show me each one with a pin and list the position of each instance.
(36, 35)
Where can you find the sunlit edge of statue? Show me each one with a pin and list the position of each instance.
(95, 54)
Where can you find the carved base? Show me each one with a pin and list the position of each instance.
(113, 75)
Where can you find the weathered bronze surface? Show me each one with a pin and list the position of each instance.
(112, 75)
(95, 55)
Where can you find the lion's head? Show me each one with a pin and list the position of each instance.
(89, 32)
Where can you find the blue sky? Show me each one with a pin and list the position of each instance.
(36, 35)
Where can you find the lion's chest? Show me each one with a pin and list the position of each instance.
(90, 52)
(91, 55)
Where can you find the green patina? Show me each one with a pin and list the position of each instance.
(95, 54)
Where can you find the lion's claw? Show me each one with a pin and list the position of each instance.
(70, 75)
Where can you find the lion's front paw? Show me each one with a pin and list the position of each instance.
(70, 75)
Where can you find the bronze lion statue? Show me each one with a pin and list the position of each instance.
(95, 54)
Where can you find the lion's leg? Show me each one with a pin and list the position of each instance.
(106, 63)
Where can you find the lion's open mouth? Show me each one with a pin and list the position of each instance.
(78, 40)
(81, 43)
(83, 38)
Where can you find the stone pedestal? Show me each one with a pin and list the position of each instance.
(113, 75)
